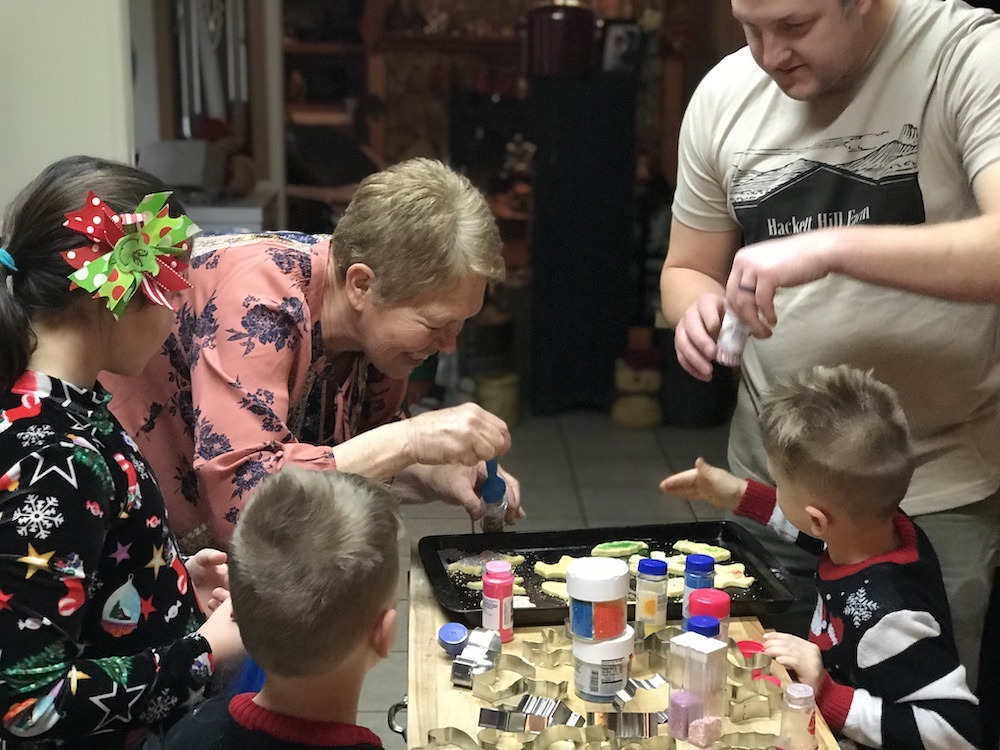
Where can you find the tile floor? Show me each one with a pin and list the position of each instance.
(576, 471)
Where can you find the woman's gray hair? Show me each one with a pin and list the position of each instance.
(420, 227)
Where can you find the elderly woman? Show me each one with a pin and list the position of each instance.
(293, 349)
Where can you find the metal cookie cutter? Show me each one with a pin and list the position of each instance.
(479, 655)
(628, 692)
(629, 725)
(755, 700)
(658, 742)
(652, 653)
(552, 709)
(749, 741)
(494, 739)
(583, 738)
(511, 721)
(449, 737)
(484, 685)
(741, 668)
(552, 651)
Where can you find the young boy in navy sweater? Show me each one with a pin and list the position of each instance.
(313, 573)
(880, 653)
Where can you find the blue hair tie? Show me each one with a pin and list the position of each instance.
(7, 261)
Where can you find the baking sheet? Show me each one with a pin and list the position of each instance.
(769, 593)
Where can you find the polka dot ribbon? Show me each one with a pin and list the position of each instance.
(129, 252)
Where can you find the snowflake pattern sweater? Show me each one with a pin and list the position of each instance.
(97, 616)
(884, 629)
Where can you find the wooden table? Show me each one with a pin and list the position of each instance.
(434, 702)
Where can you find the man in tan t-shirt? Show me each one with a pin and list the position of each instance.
(853, 150)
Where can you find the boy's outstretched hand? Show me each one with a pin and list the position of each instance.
(796, 655)
(708, 484)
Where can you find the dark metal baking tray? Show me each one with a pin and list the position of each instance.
(769, 593)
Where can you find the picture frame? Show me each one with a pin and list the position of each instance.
(621, 50)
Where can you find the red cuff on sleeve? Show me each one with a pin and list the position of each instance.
(834, 701)
(757, 502)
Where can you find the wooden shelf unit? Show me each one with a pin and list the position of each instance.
(329, 49)
(353, 52)
(451, 44)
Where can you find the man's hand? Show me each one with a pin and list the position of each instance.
(465, 434)
(796, 655)
(455, 485)
(708, 484)
(759, 270)
(695, 335)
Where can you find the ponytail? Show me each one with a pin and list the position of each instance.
(16, 339)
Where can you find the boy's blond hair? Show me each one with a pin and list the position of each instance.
(313, 562)
(420, 227)
(841, 434)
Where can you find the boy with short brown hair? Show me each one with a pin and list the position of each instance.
(880, 654)
(313, 574)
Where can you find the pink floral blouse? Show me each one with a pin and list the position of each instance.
(243, 384)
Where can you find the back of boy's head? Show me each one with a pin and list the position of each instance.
(34, 235)
(313, 563)
(842, 434)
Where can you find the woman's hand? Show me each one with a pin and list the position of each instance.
(707, 484)
(455, 485)
(466, 434)
(209, 573)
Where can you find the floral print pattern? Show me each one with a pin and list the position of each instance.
(244, 386)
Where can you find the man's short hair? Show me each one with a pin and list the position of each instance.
(841, 434)
(313, 562)
(422, 228)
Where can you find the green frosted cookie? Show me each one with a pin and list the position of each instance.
(622, 548)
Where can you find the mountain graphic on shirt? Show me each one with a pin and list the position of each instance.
(862, 179)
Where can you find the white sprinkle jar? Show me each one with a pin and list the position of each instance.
(597, 588)
(601, 668)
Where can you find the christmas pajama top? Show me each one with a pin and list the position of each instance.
(97, 615)
(884, 630)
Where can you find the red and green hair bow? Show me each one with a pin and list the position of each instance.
(129, 252)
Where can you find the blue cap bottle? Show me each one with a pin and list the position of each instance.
(452, 637)
(699, 573)
(494, 494)
(706, 625)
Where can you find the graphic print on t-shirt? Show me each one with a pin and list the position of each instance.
(837, 182)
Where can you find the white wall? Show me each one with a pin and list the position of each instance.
(65, 83)
(146, 95)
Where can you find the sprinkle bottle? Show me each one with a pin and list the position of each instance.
(498, 599)
(705, 625)
(798, 719)
(712, 602)
(601, 668)
(651, 595)
(733, 336)
(597, 588)
(699, 573)
(494, 494)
